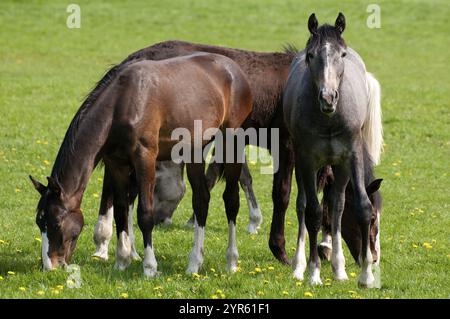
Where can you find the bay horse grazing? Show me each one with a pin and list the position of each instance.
(266, 73)
(130, 127)
(332, 110)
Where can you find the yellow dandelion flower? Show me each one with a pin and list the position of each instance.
(157, 288)
(2, 242)
(308, 294)
(352, 292)
(38, 239)
(353, 274)
(46, 162)
(285, 293)
(11, 273)
(195, 275)
(271, 268)
(95, 195)
(298, 283)
(252, 273)
(22, 289)
(289, 222)
(55, 292)
(260, 293)
(222, 296)
(214, 297)
(427, 245)
(415, 246)
(41, 292)
(1, 277)
(159, 294)
(397, 174)
(124, 295)
(433, 241)
(45, 142)
(18, 190)
(257, 269)
(327, 284)
(169, 279)
(38, 142)
(212, 270)
(59, 287)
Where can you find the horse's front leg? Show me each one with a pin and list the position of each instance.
(281, 191)
(299, 261)
(104, 228)
(336, 202)
(200, 203)
(363, 209)
(145, 166)
(255, 216)
(313, 217)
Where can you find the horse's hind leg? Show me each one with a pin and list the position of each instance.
(231, 200)
(363, 209)
(255, 216)
(336, 205)
(104, 228)
(200, 202)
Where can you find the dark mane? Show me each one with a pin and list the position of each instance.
(290, 49)
(67, 147)
(325, 33)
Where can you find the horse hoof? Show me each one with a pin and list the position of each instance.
(324, 252)
(150, 272)
(315, 281)
(341, 276)
(298, 274)
(367, 282)
(122, 264)
(103, 256)
(252, 229)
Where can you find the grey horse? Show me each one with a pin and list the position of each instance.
(332, 110)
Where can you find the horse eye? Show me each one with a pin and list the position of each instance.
(309, 56)
(344, 54)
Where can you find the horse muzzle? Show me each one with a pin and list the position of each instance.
(328, 101)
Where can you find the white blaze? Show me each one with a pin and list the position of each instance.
(46, 262)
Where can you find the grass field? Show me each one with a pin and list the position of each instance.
(46, 69)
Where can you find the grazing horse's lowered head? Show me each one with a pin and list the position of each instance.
(60, 225)
(326, 61)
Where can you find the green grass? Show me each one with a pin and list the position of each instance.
(46, 69)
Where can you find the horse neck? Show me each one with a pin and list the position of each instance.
(80, 151)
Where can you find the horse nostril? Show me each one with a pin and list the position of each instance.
(336, 95)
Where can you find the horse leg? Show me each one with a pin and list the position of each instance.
(363, 209)
(337, 201)
(104, 228)
(145, 166)
(281, 191)
(255, 216)
(325, 244)
(120, 184)
(131, 198)
(200, 202)
(231, 200)
(299, 261)
(313, 217)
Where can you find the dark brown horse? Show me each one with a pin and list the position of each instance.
(130, 127)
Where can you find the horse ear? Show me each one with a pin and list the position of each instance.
(374, 186)
(313, 24)
(54, 185)
(39, 187)
(340, 23)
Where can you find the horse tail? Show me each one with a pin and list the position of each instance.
(373, 129)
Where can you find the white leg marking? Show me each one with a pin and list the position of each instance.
(366, 278)
(46, 262)
(150, 264)
(123, 251)
(337, 258)
(377, 240)
(299, 262)
(255, 215)
(314, 275)
(134, 254)
(196, 256)
(232, 252)
(103, 233)
(325, 245)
